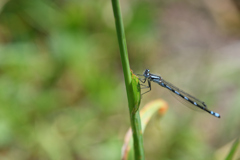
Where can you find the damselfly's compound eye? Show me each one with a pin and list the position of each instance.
(146, 72)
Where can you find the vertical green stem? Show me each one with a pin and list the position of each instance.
(133, 102)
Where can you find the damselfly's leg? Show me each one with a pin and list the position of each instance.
(142, 80)
(139, 74)
(149, 86)
(144, 86)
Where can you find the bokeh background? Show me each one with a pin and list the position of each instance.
(62, 91)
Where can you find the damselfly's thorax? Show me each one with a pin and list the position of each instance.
(151, 77)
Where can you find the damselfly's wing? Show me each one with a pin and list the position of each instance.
(183, 97)
(186, 103)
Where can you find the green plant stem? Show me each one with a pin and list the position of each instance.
(133, 102)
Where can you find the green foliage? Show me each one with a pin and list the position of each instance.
(233, 150)
(62, 94)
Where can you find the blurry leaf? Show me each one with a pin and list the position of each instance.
(146, 113)
(2, 3)
(233, 150)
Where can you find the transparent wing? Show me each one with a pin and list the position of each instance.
(186, 103)
(185, 98)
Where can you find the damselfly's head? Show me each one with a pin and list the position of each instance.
(146, 73)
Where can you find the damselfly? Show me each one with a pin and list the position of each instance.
(187, 97)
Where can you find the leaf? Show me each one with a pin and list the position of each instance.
(233, 150)
(146, 113)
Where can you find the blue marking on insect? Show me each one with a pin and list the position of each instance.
(168, 87)
(176, 92)
(194, 103)
(186, 98)
(217, 115)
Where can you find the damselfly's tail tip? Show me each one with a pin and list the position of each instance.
(215, 114)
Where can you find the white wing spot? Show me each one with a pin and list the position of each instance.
(186, 98)
(195, 103)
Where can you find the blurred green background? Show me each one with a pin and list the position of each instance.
(62, 91)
